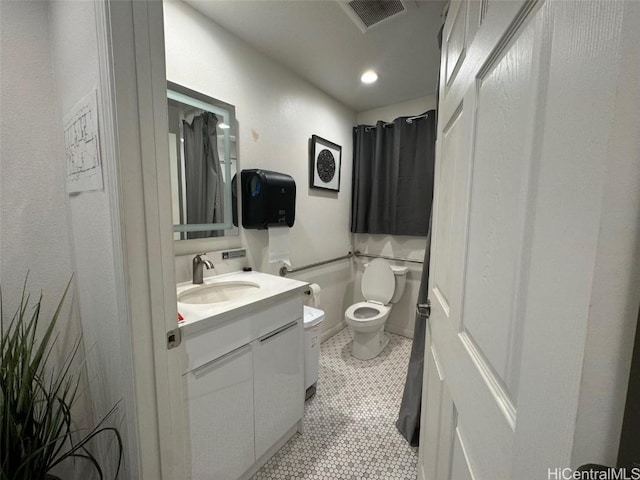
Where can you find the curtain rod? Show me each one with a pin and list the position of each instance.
(409, 120)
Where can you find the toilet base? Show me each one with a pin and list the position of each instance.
(368, 345)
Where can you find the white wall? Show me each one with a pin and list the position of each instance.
(33, 214)
(402, 315)
(74, 51)
(277, 113)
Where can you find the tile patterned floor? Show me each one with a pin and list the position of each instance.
(349, 425)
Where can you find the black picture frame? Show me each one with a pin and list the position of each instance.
(325, 160)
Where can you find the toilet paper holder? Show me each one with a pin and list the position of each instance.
(313, 295)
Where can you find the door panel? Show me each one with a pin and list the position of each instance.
(522, 134)
(446, 182)
(455, 39)
(430, 423)
(460, 465)
(437, 423)
(479, 415)
(448, 419)
(497, 210)
(474, 13)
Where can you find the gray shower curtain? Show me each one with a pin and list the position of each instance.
(203, 175)
(409, 416)
(393, 176)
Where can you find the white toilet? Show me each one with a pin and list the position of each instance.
(382, 286)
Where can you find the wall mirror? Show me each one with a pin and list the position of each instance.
(203, 162)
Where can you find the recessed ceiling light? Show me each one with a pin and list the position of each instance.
(223, 126)
(369, 77)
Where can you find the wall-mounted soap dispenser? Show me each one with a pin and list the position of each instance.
(268, 199)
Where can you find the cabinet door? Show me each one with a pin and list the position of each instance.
(220, 403)
(279, 384)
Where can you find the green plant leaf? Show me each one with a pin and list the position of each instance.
(36, 431)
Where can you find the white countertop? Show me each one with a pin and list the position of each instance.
(271, 286)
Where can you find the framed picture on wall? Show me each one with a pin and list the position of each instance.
(324, 168)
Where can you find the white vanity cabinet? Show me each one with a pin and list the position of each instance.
(243, 378)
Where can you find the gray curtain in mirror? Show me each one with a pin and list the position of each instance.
(203, 175)
(393, 166)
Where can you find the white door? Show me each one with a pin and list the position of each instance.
(525, 98)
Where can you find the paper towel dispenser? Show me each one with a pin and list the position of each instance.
(268, 199)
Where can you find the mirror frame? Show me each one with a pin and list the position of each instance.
(196, 99)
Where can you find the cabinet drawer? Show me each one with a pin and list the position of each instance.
(208, 343)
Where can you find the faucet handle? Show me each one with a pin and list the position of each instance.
(201, 259)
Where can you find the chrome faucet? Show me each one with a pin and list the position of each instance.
(198, 263)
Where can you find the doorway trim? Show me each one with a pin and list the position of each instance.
(135, 80)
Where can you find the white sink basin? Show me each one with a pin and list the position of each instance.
(218, 292)
(222, 296)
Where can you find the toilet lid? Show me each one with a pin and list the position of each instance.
(378, 281)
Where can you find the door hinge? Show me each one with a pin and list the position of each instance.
(424, 309)
(174, 338)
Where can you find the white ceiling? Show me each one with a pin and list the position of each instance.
(318, 40)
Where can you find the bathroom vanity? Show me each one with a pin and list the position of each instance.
(242, 370)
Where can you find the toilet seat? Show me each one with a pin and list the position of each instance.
(378, 282)
(366, 319)
(351, 313)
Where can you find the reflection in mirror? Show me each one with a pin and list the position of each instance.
(203, 158)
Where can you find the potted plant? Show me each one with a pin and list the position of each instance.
(36, 400)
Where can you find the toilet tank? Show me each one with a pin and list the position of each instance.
(400, 275)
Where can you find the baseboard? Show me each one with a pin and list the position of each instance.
(332, 331)
(403, 332)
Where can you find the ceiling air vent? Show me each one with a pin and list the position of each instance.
(371, 12)
(368, 13)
